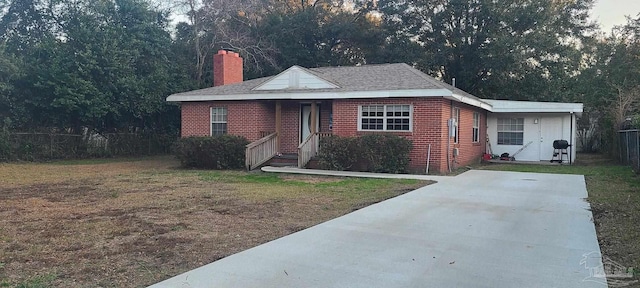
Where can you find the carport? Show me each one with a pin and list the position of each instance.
(513, 124)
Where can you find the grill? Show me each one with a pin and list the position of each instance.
(560, 150)
(560, 144)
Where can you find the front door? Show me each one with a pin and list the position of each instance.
(305, 120)
(550, 130)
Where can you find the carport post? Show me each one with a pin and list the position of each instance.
(570, 138)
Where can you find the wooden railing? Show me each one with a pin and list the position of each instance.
(324, 134)
(265, 133)
(261, 151)
(308, 149)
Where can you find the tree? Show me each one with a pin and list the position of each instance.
(105, 65)
(10, 72)
(495, 49)
(322, 33)
(221, 24)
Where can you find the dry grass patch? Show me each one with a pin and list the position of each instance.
(134, 223)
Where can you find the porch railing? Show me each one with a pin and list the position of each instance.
(308, 149)
(260, 151)
(324, 134)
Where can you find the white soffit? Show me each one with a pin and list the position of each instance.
(507, 106)
(480, 103)
(310, 95)
(295, 78)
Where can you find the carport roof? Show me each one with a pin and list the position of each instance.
(509, 106)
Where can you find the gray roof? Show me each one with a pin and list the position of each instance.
(380, 77)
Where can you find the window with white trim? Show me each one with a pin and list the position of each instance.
(456, 115)
(218, 121)
(384, 118)
(476, 127)
(510, 131)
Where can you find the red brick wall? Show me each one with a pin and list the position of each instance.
(430, 117)
(195, 119)
(469, 152)
(290, 127)
(291, 123)
(227, 68)
(245, 118)
(325, 115)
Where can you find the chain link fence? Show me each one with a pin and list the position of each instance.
(630, 148)
(49, 146)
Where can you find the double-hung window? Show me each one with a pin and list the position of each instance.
(456, 116)
(510, 131)
(218, 121)
(476, 127)
(384, 118)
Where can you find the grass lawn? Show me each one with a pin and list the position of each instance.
(131, 223)
(614, 195)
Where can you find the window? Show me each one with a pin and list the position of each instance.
(476, 127)
(218, 121)
(510, 131)
(456, 115)
(385, 117)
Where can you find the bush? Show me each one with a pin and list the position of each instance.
(386, 153)
(219, 152)
(372, 152)
(338, 153)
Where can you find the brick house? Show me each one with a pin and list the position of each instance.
(288, 113)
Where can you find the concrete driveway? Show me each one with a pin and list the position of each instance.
(478, 229)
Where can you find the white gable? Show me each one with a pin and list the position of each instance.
(295, 78)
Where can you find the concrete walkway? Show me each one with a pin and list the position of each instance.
(484, 229)
(293, 170)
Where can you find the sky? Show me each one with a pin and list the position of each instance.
(611, 12)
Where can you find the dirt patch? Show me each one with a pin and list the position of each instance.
(133, 224)
(311, 179)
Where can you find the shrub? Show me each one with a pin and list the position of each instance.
(338, 153)
(386, 153)
(219, 152)
(372, 152)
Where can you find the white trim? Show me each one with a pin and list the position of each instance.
(508, 106)
(474, 126)
(310, 95)
(480, 103)
(498, 131)
(456, 116)
(226, 111)
(293, 79)
(384, 126)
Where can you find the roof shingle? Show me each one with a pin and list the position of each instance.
(379, 77)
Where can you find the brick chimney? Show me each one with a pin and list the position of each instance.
(227, 68)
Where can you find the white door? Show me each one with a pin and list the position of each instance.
(305, 120)
(550, 130)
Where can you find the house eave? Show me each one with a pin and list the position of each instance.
(507, 106)
(310, 95)
(470, 101)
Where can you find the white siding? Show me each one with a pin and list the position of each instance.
(550, 125)
(295, 78)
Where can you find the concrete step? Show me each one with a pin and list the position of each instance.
(291, 156)
(283, 164)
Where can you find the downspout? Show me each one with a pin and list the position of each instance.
(571, 138)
